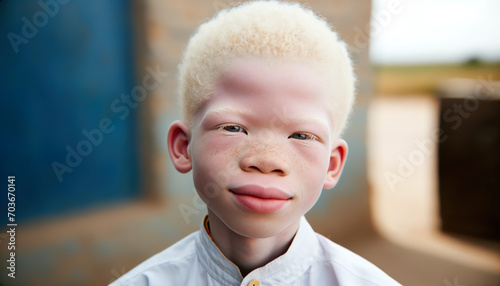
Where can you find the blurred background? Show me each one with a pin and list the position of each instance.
(89, 90)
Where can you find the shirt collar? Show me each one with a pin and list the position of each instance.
(287, 267)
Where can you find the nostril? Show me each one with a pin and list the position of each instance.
(278, 171)
(264, 168)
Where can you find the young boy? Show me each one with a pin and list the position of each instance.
(266, 90)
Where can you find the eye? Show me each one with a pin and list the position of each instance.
(302, 136)
(233, 128)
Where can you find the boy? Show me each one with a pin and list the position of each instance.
(266, 90)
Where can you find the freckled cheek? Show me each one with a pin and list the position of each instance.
(215, 153)
(214, 165)
(311, 159)
(312, 171)
(218, 145)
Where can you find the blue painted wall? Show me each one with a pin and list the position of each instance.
(63, 64)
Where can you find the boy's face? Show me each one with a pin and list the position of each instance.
(261, 149)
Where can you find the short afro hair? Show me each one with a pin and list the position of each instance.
(270, 31)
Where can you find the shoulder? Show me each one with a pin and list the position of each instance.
(350, 268)
(175, 259)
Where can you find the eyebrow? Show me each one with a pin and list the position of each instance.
(308, 119)
(229, 109)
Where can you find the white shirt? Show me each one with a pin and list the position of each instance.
(311, 259)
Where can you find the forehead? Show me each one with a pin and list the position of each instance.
(269, 91)
(274, 79)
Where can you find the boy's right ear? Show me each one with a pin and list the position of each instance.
(179, 135)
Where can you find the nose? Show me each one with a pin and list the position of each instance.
(265, 159)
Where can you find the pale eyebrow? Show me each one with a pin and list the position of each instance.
(308, 119)
(230, 109)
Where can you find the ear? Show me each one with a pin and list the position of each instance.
(179, 135)
(337, 160)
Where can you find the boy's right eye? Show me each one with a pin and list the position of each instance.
(233, 128)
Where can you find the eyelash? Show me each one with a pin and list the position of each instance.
(308, 136)
(241, 129)
(226, 126)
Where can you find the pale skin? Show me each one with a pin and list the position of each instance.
(267, 126)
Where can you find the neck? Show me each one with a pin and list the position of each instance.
(249, 253)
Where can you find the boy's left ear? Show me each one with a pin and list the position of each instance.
(337, 160)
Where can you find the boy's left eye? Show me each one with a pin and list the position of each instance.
(302, 136)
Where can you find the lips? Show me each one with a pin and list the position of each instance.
(259, 199)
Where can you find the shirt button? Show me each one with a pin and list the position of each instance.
(254, 283)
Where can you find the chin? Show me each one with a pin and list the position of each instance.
(258, 225)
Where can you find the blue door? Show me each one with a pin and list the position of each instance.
(63, 64)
